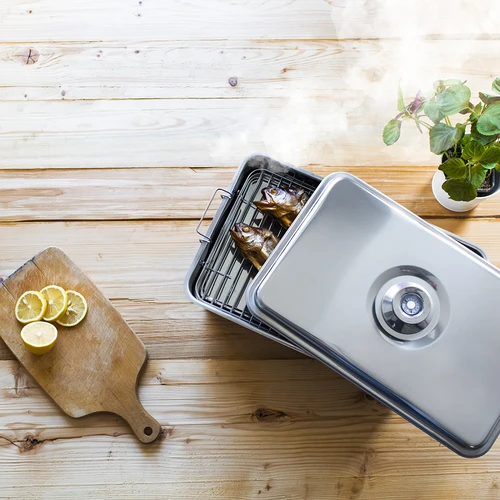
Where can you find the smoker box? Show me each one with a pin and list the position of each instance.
(394, 273)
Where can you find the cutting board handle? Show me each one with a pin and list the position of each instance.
(145, 427)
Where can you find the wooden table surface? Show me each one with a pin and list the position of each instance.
(118, 119)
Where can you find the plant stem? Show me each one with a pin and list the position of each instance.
(420, 122)
(447, 120)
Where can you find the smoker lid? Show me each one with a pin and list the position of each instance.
(394, 305)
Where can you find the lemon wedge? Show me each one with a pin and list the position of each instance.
(31, 306)
(39, 337)
(76, 311)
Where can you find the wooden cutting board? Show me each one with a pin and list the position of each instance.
(93, 366)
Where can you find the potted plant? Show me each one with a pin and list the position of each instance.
(469, 148)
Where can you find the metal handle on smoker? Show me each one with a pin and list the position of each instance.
(227, 196)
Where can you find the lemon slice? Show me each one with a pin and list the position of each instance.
(39, 337)
(57, 302)
(31, 306)
(76, 311)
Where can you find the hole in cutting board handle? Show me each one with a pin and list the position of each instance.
(148, 431)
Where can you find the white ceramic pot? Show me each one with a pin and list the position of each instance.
(455, 206)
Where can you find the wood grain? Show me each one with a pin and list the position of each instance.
(94, 366)
(227, 420)
(304, 102)
(159, 20)
(182, 193)
(187, 20)
(297, 487)
(262, 68)
(176, 391)
(137, 133)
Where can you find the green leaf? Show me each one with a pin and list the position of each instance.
(476, 111)
(465, 140)
(442, 137)
(488, 98)
(391, 132)
(496, 85)
(473, 151)
(432, 111)
(489, 122)
(459, 133)
(453, 99)
(477, 175)
(489, 166)
(401, 102)
(483, 139)
(491, 153)
(491, 157)
(454, 168)
(466, 110)
(460, 190)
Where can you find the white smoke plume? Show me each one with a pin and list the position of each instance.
(384, 42)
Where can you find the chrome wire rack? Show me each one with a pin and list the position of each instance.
(225, 273)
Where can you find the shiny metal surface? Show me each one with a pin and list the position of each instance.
(349, 243)
(407, 307)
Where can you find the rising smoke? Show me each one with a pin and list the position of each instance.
(337, 118)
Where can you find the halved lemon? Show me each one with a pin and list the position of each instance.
(76, 311)
(39, 337)
(57, 302)
(31, 306)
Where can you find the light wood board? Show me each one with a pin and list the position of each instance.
(183, 193)
(201, 69)
(90, 20)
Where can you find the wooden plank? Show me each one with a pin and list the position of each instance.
(291, 486)
(140, 267)
(269, 396)
(295, 416)
(182, 193)
(160, 20)
(185, 393)
(126, 260)
(109, 194)
(262, 68)
(303, 19)
(336, 131)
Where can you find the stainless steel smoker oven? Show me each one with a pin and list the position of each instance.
(404, 310)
